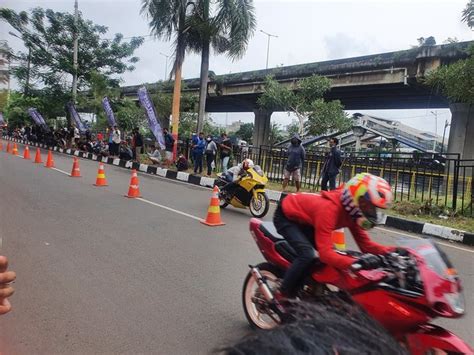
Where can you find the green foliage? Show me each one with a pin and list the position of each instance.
(306, 102)
(455, 81)
(468, 14)
(245, 132)
(276, 133)
(48, 34)
(16, 110)
(293, 128)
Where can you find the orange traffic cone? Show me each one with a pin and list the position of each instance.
(26, 153)
(101, 180)
(339, 239)
(214, 212)
(15, 149)
(133, 190)
(1, 146)
(38, 157)
(75, 168)
(8, 147)
(49, 161)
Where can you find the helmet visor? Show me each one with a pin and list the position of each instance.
(371, 212)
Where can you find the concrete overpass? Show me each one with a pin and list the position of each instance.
(380, 81)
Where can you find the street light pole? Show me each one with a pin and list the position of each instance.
(76, 39)
(268, 44)
(436, 130)
(446, 124)
(166, 63)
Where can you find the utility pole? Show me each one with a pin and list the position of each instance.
(166, 64)
(436, 130)
(268, 44)
(446, 124)
(75, 66)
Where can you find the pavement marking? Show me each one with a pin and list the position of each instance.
(417, 237)
(170, 209)
(61, 171)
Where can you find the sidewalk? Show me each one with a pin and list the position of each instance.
(427, 229)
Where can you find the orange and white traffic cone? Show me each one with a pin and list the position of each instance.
(101, 180)
(214, 212)
(15, 149)
(38, 159)
(134, 190)
(9, 148)
(26, 153)
(49, 160)
(76, 172)
(339, 239)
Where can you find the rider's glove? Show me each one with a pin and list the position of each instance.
(369, 261)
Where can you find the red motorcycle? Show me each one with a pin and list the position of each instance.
(403, 294)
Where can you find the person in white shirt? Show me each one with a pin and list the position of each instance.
(116, 141)
(77, 136)
(155, 156)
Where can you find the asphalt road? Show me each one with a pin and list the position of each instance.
(100, 273)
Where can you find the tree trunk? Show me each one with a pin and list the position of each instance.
(203, 86)
(175, 109)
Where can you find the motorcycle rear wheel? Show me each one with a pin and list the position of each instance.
(259, 208)
(256, 309)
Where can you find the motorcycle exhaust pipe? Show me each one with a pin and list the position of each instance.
(262, 284)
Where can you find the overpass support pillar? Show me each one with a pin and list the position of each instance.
(261, 133)
(462, 130)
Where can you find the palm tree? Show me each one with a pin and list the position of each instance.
(224, 25)
(468, 14)
(168, 21)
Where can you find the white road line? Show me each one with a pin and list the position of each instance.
(170, 209)
(417, 237)
(61, 171)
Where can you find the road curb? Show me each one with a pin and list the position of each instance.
(428, 229)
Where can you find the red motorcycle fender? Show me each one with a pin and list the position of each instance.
(434, 337)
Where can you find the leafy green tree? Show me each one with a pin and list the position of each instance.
(245, 132)
(48, 36)
(455, 81)
(305, 100)
(276, 133)
(293, 128)
(223, 25)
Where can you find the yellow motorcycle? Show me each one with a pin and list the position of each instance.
(249, 192)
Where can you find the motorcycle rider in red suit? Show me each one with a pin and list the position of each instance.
(307, 220)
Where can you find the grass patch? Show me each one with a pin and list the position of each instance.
(431, 213)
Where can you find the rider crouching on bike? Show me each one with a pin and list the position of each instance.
(234, 174)
(308, 219)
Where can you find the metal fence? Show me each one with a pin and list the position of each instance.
(443, 180)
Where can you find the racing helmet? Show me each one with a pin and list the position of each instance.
(247, 164)
(364, 196)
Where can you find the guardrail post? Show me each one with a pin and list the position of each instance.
(455, 183)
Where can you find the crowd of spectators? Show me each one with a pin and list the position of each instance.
(211, 152)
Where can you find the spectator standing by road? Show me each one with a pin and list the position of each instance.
(77, 136)
(332, 164)
(226, 150)
(116, 141)
(198, 152)
(211, 151)
(137, 144)
(296, 156)
(169, 143)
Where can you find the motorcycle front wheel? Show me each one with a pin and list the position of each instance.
(259, 206)
(256, 308)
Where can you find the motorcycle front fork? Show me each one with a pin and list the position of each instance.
(267, 292)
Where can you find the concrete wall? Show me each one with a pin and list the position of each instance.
(461, 135)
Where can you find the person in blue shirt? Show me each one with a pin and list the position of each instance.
(199, 145)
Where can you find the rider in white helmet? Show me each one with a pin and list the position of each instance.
(235, 173)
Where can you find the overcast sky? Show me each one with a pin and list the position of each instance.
(308, 31)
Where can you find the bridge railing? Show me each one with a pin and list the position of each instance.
(442, 180)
